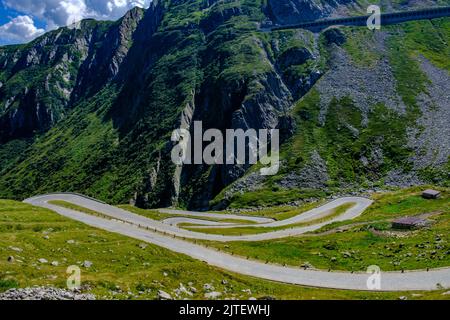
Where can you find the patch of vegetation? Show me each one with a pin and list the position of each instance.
(360, 45)
(342, 141)
(151, 214)
(411, 81)
(429, 38)
(12, 151)
(272, 197)
(75, 207)
(282, 212)
(70, 157)
(239, 231)
(6, 284)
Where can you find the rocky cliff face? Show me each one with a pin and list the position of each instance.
(99, 102)
(293, 11)
(42, 80)
(104, 58)
(38, 80)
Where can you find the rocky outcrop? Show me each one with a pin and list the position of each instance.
(313, 176)
(361, 83)
(295, 11)
(294, 56)
(106, 57)
(218, 16)
(40, 79)
(290, 61)
(334, 36)
(262, 101)
(429, 139)
(49, 76)
(44, 293)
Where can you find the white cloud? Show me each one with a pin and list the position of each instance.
(19, 29)
(58, 13)
(113, 9)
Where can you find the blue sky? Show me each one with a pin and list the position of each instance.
(6, 15)
(23, 20)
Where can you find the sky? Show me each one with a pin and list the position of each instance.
(23, 20)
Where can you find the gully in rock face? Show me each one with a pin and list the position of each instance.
(234, 145)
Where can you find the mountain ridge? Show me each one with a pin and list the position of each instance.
(180, 61)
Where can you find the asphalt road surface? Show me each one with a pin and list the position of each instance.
(123, 222)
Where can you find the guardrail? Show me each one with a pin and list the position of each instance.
(72, 194)
(386, 18)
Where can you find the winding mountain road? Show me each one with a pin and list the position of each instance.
(360, 204)
(386, 19)
(164, 235)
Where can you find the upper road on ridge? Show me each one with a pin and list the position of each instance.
(386, 18)
(138, 227)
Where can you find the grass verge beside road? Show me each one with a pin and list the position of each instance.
(123, 268)
(368, 239)
(257, 230)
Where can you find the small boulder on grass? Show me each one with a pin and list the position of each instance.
(346, 254)
(213, 295)
(143, 246)
(162, 295)
(208, 287)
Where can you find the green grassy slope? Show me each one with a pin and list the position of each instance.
(39, 77)
(120, 265)
(256, 230)
(367, 239)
